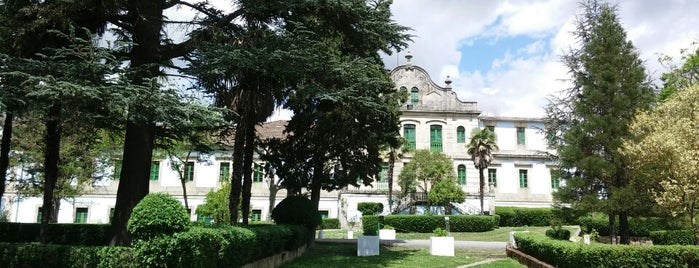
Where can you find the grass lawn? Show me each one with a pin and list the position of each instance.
(505, 263)
(345, 255)
(501, 234)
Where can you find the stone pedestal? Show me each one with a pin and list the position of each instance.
(385, 234)
(442, 245)
(368, 245)
(350, 235)
(320, 234)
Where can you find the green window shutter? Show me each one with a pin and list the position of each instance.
(258, 173)
(224, 173)
(117, 170)
(414, 96)
(492, 177)
(522, 178)
(323, 214)
(154, 170)
(462, 174)
(38, 214)
(383, 175)
(80, 215)
(256, 215)
(520, 136)
(491, 128)
(436, 138)
(409, 135)
(555, 180)
(460, 134)
(189, 171)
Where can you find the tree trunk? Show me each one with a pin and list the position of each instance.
(52, 141)
(5, 152)
(247, 167)
(237, 177)
(183, 180)
(138, 144)
(273, 190)
(389, 174)
(315, 194)
(612, 228)
(481, 188)
(624, 228)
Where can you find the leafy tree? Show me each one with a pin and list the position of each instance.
(425, 171)
(591, 119)
(480, 148)
(446, 191)
(664, 152)
(216, 205)
(679, 77)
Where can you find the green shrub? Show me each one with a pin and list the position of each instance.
(370, 208)
(440, 232)
(330, 223)
(672, 237)
(427, 223)
(296, 210)
(58, 233)
(50, 255)
(558, 233)
(156, 215)
(518, 216)
(567, 254)
(639, 226)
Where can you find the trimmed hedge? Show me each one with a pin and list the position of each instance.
(427, 223)
(50, 255)
(219, 247)
(672, 237)
(519, 216)
(58, 233)
(370, 208)
(157, 214)
(637, 226)
(330, 223)
(558, 233)
(296, 210)
(567, 254)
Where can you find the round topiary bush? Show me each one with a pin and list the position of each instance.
(297, 210)
(156, 215)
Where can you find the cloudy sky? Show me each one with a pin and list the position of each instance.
(505, 54)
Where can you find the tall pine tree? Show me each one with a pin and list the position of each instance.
(609, 84)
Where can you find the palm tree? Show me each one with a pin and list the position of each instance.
(481, 149)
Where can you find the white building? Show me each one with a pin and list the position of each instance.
(434, 118)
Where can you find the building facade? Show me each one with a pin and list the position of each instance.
(434, 118)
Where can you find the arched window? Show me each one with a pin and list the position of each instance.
(462, 174)
(460, 134)
(414, 96)
(409, 136)
(436, 138)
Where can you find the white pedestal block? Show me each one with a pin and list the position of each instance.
(350, 235)
(586, 239)
(442, 245)
(320, 234)
(385, 234)
(368, 245)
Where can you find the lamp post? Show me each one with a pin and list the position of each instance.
(446, 223)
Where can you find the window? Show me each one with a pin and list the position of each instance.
(80, 215)
(323, 214)
(117, 170)
(189, 171)
(461, 172)
(383, 175)
(111, 214)
(436, 138)
(414, 96)
(520, 136)
(522, 178)
(493, 177)
(491, 128)
(224, 171)
(409, 136)
(154, 170)
(204, 218)
(555, 179)
(256, 215)
(258, 173)
(38, 214)
(460, 134)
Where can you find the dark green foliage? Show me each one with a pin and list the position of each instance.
(567, 254)
(558, 233)
(157, 214)
(223, 246)
(330, 223)
(370, 208)
(50, 255)
(672, 237)
(516, 216)
(637, 226)
(296, 210)
(427, 223)
(62, 234)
